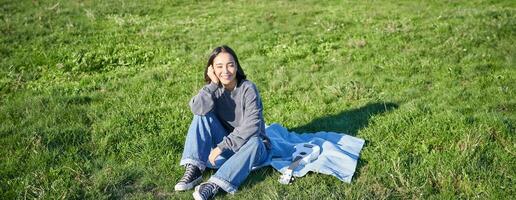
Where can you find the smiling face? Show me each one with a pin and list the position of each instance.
(225, 69)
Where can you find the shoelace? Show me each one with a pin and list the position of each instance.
(189, 174)
(208, 190)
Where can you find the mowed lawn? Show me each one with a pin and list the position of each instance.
(94, 94)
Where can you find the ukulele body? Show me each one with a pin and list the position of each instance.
(304, 154)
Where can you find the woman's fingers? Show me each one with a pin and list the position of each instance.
(210, 70)
(211, 74)
(213, 155)
(212, 159)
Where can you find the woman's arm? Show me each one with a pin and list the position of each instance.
(203, 102)
(251, 123)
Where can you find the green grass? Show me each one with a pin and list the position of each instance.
(93, 94)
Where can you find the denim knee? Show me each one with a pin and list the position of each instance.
(253, 142)
(210, 116)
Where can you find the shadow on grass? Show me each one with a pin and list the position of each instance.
(348, 122)
(256, 176)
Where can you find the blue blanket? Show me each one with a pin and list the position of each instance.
(339, 152)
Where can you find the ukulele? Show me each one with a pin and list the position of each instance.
(304, 154)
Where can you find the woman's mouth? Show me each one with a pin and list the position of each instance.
(227, 77)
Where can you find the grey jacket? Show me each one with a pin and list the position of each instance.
(240, 111)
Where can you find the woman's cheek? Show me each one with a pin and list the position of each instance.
(217, 72)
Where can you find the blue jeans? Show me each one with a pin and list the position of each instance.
(204, 134)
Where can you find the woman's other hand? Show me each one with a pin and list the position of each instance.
(213, 155)
(211, 74)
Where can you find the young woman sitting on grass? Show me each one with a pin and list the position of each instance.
(227, 131)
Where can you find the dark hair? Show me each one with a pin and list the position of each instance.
(224, 48)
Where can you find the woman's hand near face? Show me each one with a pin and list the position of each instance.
(211, 74)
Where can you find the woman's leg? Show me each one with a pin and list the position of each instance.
(236, 169)
(205, 133)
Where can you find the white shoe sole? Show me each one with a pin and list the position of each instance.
(196, 194)
(183, 187)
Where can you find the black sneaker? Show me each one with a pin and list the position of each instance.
(205, 191)
(191, 178)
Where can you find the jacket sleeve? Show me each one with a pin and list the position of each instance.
(251, 123)
(203, 102)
